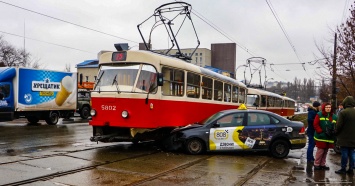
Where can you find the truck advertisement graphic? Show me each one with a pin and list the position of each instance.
(39, 94)
(46, 89)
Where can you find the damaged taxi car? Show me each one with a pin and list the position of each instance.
(237, 129)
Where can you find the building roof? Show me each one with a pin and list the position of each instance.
(88, 64)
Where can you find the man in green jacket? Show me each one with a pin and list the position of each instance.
(345, 130)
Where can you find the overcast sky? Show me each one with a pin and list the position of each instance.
(249, 23)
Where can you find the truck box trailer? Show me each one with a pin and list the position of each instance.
(37, 94)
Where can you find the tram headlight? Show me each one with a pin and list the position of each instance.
(93, 112)
(124, 114)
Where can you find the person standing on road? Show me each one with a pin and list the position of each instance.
(324, 124)
(345, 130)
(312, 112)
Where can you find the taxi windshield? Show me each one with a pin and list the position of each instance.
(211, 118)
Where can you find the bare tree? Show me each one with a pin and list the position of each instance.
(10, 56)
(346, 55)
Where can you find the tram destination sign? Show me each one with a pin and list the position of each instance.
(119, 56)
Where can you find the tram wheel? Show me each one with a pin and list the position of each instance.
(195, 146)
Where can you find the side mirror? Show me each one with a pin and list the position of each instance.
(160, 79)
(216, 125)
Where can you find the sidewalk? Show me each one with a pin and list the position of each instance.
(304, 174)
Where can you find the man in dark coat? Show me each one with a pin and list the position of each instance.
(312, 112)
(345, 130)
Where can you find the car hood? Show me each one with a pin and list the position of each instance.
(186, 127)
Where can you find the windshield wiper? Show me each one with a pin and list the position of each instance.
(115, 80)
(98, 80)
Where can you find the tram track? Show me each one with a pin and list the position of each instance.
(63, 173)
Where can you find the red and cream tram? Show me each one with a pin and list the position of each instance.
(265, 100)
(141, 95)
(288, 107)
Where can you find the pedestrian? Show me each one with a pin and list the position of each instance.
(312, 112)
(340, 108)
(345, 130)
(324, 124)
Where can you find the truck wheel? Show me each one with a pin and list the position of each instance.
(32, 119)
(52, 118)
(85, 112)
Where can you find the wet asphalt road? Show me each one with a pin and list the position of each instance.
(63, 155)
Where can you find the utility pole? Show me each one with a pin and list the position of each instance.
(334, 74)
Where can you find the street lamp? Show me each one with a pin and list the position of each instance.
(267, 81)
(238, 68)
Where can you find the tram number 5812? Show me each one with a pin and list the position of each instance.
(108, 107)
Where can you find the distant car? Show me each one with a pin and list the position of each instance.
(242, 130)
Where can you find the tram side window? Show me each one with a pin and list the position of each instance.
(206, 88)
(241, 95)
(235, 94)
(173, 82)
(278, 102)
(263, 101)
(227, 92)
(284, 103)
(147, 79)
(193, 85)
(270, 101)
(218, 91)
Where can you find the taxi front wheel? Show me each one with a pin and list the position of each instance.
(279, 149)
(194, 146)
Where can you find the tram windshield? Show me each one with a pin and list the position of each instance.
(122, 78)
(253, 100)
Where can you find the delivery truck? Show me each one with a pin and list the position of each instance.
(37, 94)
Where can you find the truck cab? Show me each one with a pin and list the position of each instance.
(7, 105)
(83, 106)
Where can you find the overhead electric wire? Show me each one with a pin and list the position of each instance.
(45, 15)
(283, 30)
(221, 31)
(215, 27)
(47, 42)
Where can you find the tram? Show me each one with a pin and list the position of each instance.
(288, 109)
(265, 100)
(143, 95)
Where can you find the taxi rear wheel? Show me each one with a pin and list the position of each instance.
(279, 149)
(195, 146)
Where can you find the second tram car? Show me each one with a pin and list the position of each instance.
(142, 95)
(265, 100)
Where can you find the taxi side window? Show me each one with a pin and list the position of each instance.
(274, 120)
(258, 119)
(232, 120)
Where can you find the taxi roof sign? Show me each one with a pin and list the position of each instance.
(242, 107)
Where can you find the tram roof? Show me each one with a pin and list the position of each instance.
(157, 59)
(263, 92)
